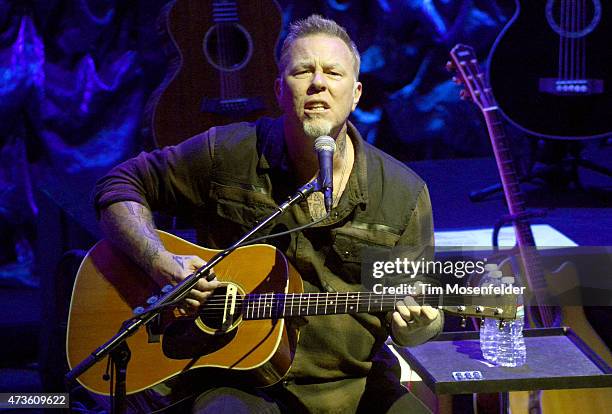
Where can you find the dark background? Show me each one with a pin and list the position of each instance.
(76, 81)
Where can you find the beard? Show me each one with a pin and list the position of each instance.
(315, 128)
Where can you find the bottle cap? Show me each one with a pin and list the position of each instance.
(495, 274)
(507, 280)
(489, 267)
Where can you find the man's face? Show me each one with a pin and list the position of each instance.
(317, 89)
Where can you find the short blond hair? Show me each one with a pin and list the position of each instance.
(314, 25)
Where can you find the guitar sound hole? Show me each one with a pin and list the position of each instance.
(211, 313)
(228, 46)
(573, 22)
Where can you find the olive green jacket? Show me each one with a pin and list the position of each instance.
(227, 178)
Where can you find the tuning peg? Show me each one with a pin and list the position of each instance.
(463, 322)
(463, 95)
(450, 66)
(457, 80)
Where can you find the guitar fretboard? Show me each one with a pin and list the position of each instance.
(514, 197)
(278, 305)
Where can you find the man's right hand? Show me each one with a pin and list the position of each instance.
(130, 226)
(169, 268)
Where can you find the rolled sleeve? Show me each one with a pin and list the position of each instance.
(169, 179)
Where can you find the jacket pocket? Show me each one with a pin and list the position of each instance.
(237, 210)
(350, 244)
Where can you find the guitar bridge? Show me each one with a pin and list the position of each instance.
(229, 307)
(571, 87)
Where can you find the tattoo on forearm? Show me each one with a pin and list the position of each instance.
(130, 226)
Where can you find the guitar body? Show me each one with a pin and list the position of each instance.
(584, 400)
(226, 66)
(109, 286)
(531, 55)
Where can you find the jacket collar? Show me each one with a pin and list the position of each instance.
(273, 156)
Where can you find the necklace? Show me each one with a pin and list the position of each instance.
(316, 204)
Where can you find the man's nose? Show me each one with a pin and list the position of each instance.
(319, 82)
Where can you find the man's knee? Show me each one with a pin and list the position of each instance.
(233, 401)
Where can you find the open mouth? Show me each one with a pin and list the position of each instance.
(316, 107)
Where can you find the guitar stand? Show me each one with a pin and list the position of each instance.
(568, 167)
(512, 218)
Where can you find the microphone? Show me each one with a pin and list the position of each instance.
(325, 147)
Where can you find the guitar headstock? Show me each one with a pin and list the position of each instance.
(501, 307)
(467, 72)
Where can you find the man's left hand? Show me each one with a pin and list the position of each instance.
(409, 317)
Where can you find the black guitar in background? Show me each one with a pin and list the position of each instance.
(550, 68)
(224, 68)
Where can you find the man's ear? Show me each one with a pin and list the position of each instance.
(356, 94)
(277, 88)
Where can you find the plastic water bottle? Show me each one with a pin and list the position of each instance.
(489, 327)
(511, 350)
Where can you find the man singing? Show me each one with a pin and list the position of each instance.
(229, 177)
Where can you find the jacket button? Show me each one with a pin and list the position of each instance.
(286, 383)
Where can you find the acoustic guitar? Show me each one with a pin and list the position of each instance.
(477, 89)
(240, 329)
(225, 70)
(550, 68)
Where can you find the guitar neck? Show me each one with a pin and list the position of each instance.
(279, 305)
(507, 171)
(515, 199)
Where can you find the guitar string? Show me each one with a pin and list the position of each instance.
(529, 261)
(322, 302)
(362, 295)
(565, 38)
(358, 305)
(573, 40)
(545, 311)
(256, 304)
(256, 300)
(268, 304)
(580, 25)
(583, 41)
(560, 66)
(295, 310)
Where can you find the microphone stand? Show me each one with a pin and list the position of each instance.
(172, 297)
